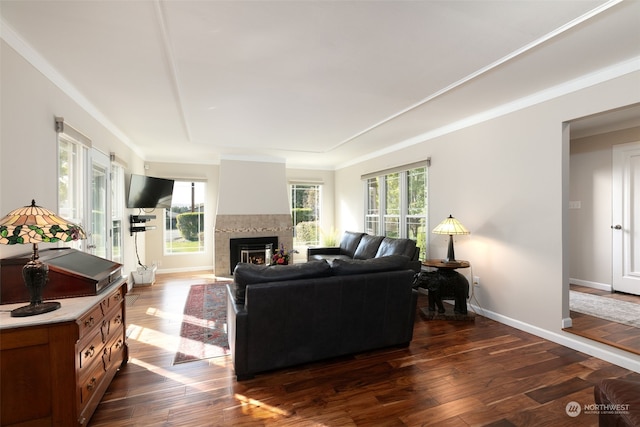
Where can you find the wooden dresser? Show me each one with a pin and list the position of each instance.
(55, 367)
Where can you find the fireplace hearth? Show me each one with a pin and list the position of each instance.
(254, 250)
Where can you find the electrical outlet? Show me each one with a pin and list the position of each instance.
(476, 280)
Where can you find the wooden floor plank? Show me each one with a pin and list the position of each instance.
(479, 373)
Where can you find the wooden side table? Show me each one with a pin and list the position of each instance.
(446, 282)
(438, 263)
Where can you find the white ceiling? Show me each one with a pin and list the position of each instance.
(318, 83)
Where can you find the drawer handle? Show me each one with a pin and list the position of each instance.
(104, 330)
(91, 384)
(117, 296)
(105, 359)
(118, 344)
(117, 319)
(89, 322)
(90, 352)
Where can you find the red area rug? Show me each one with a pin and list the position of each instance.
(203, 333)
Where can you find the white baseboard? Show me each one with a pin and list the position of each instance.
(185, 269)
(588, 284)
(575, 342)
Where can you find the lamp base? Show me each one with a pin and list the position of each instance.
(34, 309)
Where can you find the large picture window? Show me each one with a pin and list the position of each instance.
(396, 204)
(184, 222)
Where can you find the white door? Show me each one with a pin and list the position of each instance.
(99, 242)
(626, 218)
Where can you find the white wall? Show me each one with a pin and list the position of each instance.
(252, 187)
(591, 185)
(505, 180)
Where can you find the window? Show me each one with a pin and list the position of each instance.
(372, 217)
(396, 204)
(73, 155)
(392, 205)
(184, 222)
(117, 211)
(305, 212)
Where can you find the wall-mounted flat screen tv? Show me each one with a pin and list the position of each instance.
(149, 192)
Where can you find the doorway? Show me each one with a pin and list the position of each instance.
(591, 219)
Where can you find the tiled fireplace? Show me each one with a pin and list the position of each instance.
(227, 227)
(253, 250)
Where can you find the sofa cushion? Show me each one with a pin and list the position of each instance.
(342, 267)
(248, 274)
(368, 247)
(327, 257)
(390, 246)
(349, 243)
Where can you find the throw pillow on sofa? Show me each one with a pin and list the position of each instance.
(249, 274)
(341, 267)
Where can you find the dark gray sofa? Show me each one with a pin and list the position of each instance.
(279, 316)
(357, 245)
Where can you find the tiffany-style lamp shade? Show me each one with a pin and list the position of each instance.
(34, 224)
(450, 226)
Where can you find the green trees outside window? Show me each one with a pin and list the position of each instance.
(396, 205)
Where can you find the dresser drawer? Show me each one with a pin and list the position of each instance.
(91, 346)
(93, 318)
(115, 350)
(90, 351)
(88, 384)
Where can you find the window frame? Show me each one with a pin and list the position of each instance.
(118, 209)
(377, 216)
(75, 207)
(318, 209)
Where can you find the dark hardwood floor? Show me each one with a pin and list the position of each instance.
(480, 373)
(614, 334)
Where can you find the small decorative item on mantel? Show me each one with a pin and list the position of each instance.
(281, 257)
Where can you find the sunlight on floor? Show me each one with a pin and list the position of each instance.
(151, 311)
(170, 374)
(153, 337)
(250, 403)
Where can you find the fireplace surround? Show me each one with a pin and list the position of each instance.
(229, 227)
